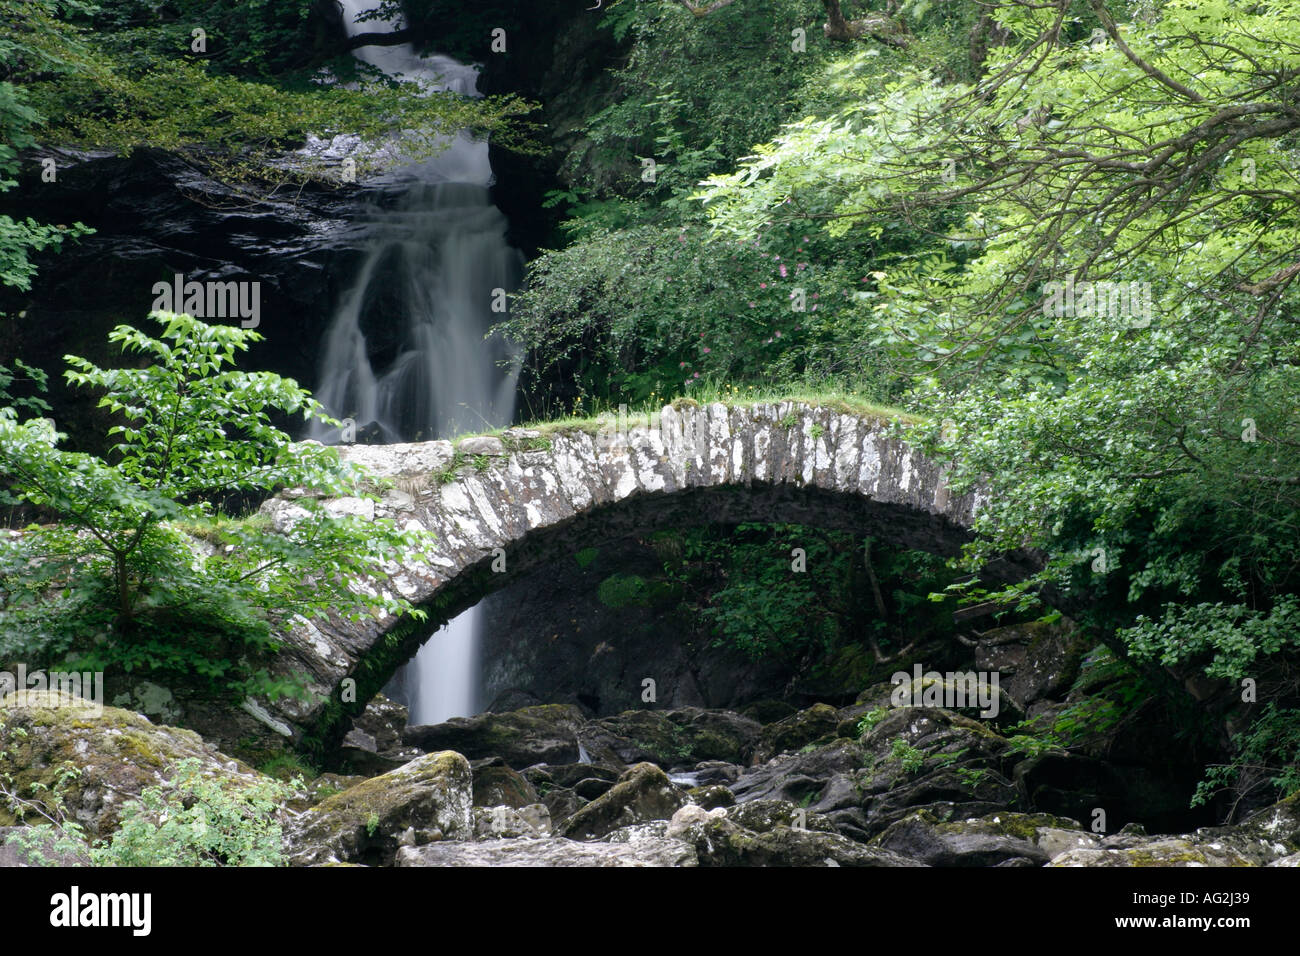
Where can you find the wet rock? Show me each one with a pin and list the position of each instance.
(495, 823)
(768, 711)
(561, 803)
(589, 788)
(501, 786)
(797, 731)
(643, 793)
(710, 797)
(719, 841)
(543, 734)
(431, 797)
(554, 851)
(708, 772)
(116, 753)
(987, 841)
(568, 775)
(687, 735)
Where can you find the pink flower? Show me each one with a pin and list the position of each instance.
(707, 350)
(696, 375)
(778, 335)
(783, 272)
(681, 365)
(815, 295)
(762, 285)
(751, 305)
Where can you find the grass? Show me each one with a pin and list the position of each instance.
(706, 394)
(841, 402)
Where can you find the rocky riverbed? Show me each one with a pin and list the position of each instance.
(867, 784)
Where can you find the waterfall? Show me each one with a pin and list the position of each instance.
(405, 357)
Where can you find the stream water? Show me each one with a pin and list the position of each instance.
(406, 356)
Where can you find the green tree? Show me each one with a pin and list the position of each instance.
(1104, 311)
(143, 571)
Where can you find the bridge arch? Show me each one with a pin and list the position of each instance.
(502, 506)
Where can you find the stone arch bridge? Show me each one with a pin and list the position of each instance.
(529, 499)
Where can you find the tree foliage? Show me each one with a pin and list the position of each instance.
(144, 571)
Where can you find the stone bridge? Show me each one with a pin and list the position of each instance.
(528, 499)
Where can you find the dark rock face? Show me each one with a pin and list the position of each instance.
(156, 216)
(550, 637)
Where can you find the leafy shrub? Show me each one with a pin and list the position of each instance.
(144, 574)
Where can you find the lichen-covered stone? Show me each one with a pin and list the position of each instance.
(682, 736)
(985, 841)
(116, 754)
(501, 786)
(555, 851)
(719, 841)
(544, 734)
(430, 796)
(643, 793)
(797, 731)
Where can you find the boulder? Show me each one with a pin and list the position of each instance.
(117, 754)
(501, 786)
(643, 793)
(544, 734)
(711, 797)
(764, 816)
(719, 841)
(994, 840)
(1033, 660)
(495, 823)
(797, 731)
(561, 803)
(482, 445)
(1161, 851)
(673, 738)
(431, 797)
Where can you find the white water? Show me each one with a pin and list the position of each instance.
(424, 292)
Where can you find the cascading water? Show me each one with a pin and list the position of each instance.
(406, 356)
